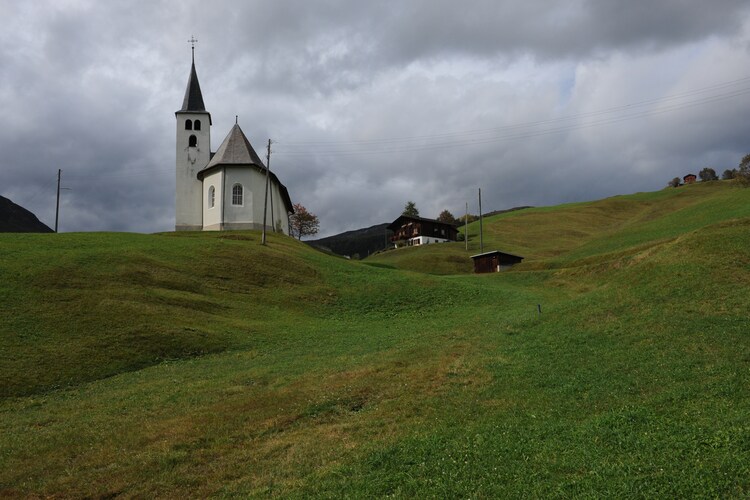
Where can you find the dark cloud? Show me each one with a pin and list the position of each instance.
(372, 103)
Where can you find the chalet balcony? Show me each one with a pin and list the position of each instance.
(404, 235)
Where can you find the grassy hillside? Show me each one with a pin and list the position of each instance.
(208, 365)
(562, 234)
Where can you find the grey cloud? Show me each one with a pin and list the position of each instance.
(92, 87)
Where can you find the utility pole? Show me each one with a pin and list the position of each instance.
(466, 227)
(481, 233)
(270, 197)
(57, 207)
(265, 202)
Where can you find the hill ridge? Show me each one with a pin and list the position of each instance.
(16, 219)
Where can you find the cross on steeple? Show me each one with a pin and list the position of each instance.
(192, 45)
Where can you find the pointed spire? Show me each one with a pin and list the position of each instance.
(193, 97)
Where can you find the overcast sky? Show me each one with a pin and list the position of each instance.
(371, 104)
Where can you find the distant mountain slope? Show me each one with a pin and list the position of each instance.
(16, 219)
(369, 240)
(363, 242)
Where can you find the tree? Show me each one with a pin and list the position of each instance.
(708, 174)
(302, 222)
(410, 209)
(729, 174)
(447, 217)
(674, 182)
(743, 170)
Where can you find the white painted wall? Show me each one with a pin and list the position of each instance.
(426, 240)
(279, 210)
(212, 216)
(250, 214)
(189, 161)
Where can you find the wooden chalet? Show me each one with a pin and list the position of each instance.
(493, 262)
(689, 179)
(408, 231)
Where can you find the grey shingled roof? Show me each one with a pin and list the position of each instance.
(237, 151)
(193, 98)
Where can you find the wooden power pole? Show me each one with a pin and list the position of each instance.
(481, 233)
(466, 227)
(57, 206)
(265, 202)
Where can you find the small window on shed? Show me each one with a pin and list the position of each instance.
(237, 195)
(188, 124)
(211, 197)
(197, 125)
(193, 142)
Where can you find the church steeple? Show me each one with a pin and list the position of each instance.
(193, 151)
(193, 100)
(193, 97)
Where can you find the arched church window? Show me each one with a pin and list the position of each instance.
(193, 142)
(211, 197)
(237, 195)
(188, 124)
(197, 125)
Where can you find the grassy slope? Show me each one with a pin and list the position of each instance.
(281, 370)
(563, 234)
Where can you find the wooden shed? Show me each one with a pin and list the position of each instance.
(492, 262)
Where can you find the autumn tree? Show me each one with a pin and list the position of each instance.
(447, 217)
(410, 209)
(303, 223)
(708, 174)
(729, 174)
(743, 170)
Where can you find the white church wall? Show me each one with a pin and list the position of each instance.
(242, 216)
(280, 217)
(189, 161)
(212, 215)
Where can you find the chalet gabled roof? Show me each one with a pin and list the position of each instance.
(405, 219)
(193, 97)
(496, 252)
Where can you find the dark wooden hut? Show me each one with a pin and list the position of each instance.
(495, 261)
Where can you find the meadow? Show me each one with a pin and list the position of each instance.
(206, 364)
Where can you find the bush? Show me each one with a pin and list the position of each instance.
(729, 174)
(708, 174)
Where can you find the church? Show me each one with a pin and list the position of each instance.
(225, 190)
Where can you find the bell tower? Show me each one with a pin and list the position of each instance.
(193, 153)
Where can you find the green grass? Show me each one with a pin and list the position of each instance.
(569, 233)
(208, 365)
